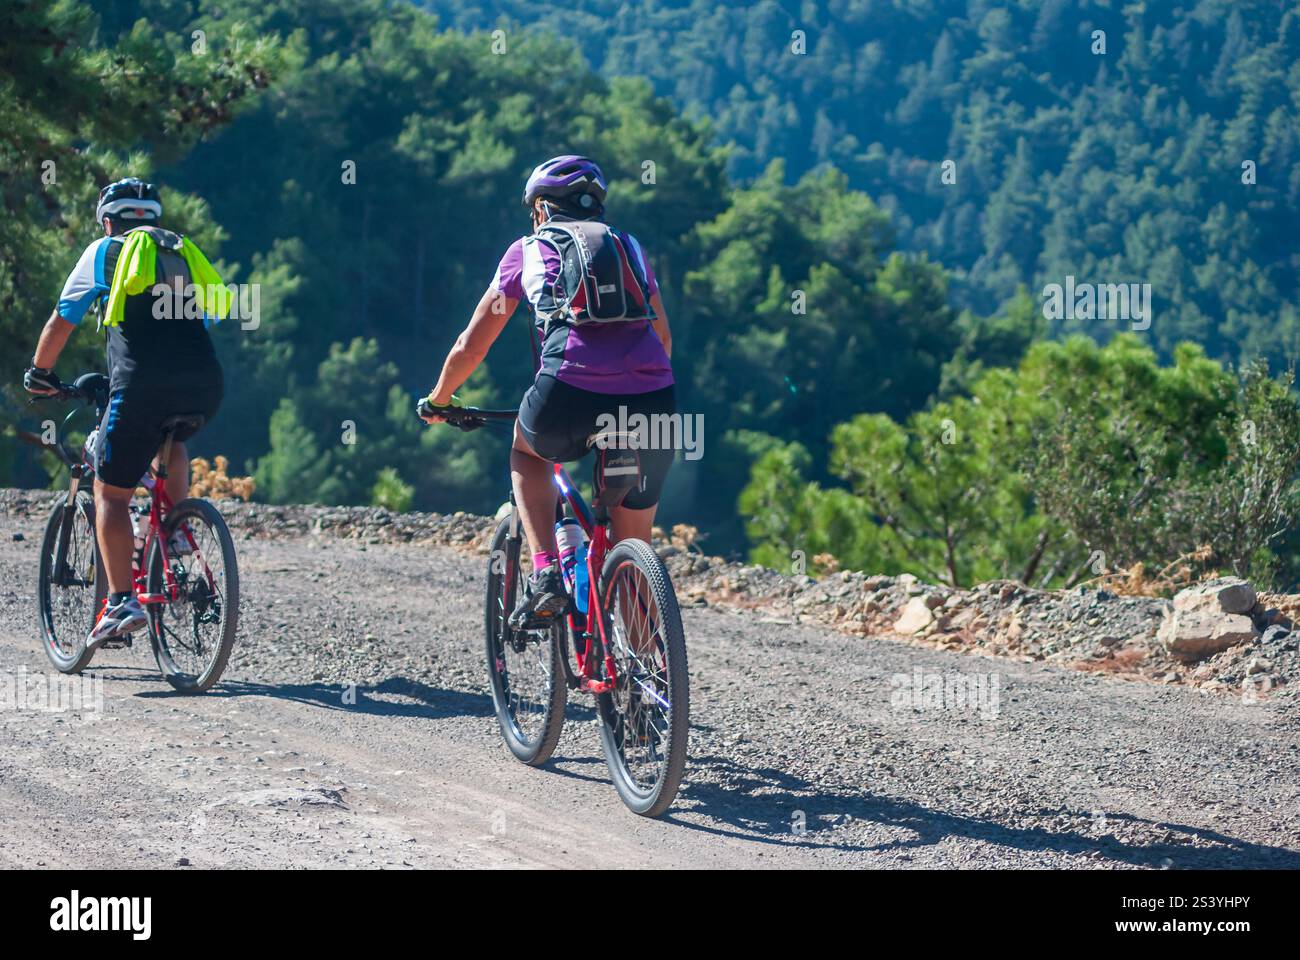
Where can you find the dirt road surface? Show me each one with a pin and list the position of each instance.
(354, 729)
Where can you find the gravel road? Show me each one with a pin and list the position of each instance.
(354, 728)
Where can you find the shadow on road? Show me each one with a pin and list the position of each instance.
(749, 796)
(429, 702)
(760, 804)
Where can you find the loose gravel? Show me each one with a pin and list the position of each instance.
(354, 728)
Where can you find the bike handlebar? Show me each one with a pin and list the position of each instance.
(89, 388)
(468, 418)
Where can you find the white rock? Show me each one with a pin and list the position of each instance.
(1225, 595)
(1190, 635)
(916, 616)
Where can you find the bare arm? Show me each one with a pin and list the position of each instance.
(53, 338)
(661, 323)
(489, 319)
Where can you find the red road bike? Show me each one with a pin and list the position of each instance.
(621, 639)
(184, 573)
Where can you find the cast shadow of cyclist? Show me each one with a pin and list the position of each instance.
(738, 800)
(742, 805)
(392, 697)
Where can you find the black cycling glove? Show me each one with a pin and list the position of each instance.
(43, 383)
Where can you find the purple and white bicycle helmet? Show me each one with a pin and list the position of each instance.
(565, 176)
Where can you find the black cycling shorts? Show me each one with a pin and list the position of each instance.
(556, 419)
(131, 432)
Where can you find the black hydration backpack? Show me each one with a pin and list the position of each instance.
(599, 282)
(170, 270)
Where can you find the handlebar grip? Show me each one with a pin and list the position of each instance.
(456, 416)
(65, 392)
(466, 418)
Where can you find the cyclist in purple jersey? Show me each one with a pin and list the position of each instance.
(585, 370)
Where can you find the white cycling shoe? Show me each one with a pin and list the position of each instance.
(117, 620)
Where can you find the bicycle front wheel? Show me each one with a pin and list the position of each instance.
(193, 634)
(67, 606)
(525, 667)
(644, 720)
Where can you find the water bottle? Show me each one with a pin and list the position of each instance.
(568, 539)
(580, 578)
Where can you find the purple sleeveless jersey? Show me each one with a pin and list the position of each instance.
(617, 358)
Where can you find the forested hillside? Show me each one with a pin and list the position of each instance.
(370, 192)
(858, 335)
(1113, 157)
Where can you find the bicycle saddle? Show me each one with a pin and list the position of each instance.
(179, 421)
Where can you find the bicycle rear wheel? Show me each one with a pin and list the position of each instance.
(525, 668)
(66, 610)
(193, 635)
(645, 719)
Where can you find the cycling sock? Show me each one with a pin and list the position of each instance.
(543, 559)
(115, 598)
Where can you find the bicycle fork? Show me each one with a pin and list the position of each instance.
(65, 530)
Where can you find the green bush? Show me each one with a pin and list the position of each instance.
(1085, 460)
(391, 492)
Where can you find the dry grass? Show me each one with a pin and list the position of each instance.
(211, 480)
(684, 537)
(1186, 571)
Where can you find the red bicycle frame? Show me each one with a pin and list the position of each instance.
(160, 504)
(579, 624)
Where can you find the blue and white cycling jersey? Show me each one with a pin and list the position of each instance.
(87, 282)
(143, 349)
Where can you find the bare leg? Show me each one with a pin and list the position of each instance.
(534, 494)
(636, 524)
(113, 530)
(629, 523)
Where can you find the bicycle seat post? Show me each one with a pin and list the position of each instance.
(166, 456)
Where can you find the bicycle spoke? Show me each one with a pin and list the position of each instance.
(191, 626)
(69, 604)
(641, 694)
(527, 681)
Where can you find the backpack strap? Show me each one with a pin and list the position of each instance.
(111, 254)
(562, 312)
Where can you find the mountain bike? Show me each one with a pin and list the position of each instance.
(620, 639)
(184, 571)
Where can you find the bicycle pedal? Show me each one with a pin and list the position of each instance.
(116, 643)
(540, 620)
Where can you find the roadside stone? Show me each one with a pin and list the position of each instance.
(1275, 633)
(1191, 635)
(1227, 594)
(916, 616)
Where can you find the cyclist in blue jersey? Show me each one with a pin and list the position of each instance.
(157, 367)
